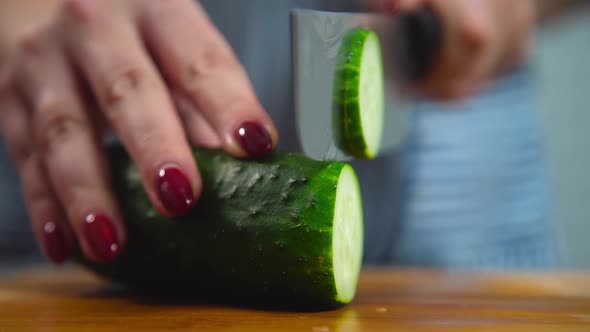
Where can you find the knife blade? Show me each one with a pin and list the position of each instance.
(410, 46)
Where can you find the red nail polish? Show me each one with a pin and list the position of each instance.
(254, 139)
(175, 190)
(56, 247)
(102, 237)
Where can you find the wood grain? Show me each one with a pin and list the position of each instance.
(388, 300)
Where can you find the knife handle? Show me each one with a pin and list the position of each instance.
(419, 42)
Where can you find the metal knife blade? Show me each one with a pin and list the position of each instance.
(411, 42)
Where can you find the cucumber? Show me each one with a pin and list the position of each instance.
(358, 96)
(282, 231)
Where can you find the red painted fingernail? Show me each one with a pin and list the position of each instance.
(56, 247)
(101, 236)
(254, 139)
(175, 190)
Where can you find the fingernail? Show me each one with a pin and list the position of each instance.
(101, 236)
(175, 190)
(56, 247)
(254, 139)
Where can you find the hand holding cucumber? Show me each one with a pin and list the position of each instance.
(59, 58)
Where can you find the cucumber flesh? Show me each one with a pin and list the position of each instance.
(348, 232)
(371, 94)
(358, 104)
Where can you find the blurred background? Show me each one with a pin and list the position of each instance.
(561, 66)
(561, 62)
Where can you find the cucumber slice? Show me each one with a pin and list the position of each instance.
(358, 100)
(348, 232)
(284, 231)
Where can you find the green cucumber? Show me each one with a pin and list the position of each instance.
(358, 98)
(285, 230)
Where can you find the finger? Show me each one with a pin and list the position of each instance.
(480, 29)
(135, 100)
(48, 220)
(201, 65)
(67, 145)
(199, 131)
(467, 37)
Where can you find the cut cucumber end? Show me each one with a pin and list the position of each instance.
(358, 103)
(371, 95)
(347, 239)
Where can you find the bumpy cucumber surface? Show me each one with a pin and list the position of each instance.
(285, 230)
(358, 99)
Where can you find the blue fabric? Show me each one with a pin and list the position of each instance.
(473, 185)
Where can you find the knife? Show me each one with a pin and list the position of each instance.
(410, 46)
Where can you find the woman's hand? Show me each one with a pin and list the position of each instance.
(157, 72)
(482, 39)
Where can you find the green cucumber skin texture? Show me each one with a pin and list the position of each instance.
(261, 229)
(346, 112)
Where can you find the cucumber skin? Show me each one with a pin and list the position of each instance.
(261, 230)
(346, 112)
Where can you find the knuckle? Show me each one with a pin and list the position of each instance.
(37, 195)
(10, 65)
(54, 123)
(17, 138)
(123, 83)
(81, 11)
(205, 64)
(478, 34)
(20, 151)
(32, 43)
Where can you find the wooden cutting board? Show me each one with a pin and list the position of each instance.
(46, 299)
